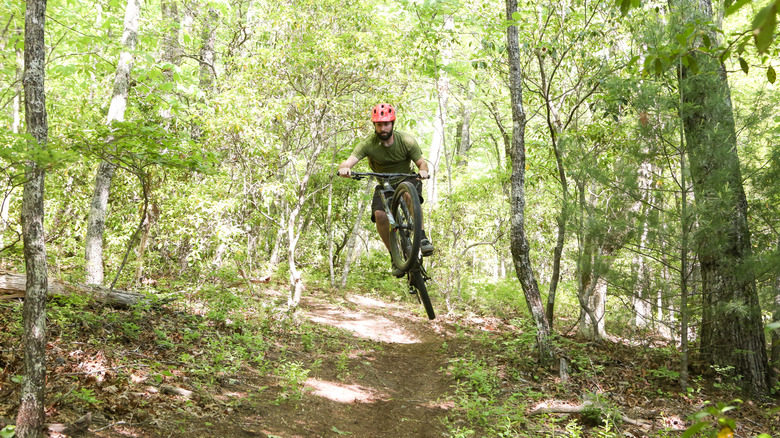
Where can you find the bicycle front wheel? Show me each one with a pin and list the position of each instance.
(405, 236)
(418, 282)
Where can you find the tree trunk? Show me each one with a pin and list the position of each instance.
(592, 288)
(294, 222)
(209, 37)
(519, 242)
(643, 310)
(440, 121)
(775, 352)
(464, 133)
(96, 222)
(31, 416)
(351, 242)
(732, 333)
(13, 286)
(170, 38)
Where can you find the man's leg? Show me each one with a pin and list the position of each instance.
(383, 227)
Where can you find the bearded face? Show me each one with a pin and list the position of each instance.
(384, 130)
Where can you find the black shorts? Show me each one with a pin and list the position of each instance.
(376, 202)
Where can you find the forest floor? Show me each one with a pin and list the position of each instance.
(351, 365)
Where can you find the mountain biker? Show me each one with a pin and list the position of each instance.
(389, 151)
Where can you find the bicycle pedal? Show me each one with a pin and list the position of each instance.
(412, 291)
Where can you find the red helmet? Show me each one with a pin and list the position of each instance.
(384, 112)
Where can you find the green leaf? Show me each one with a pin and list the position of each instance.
(743, 65)
(693, 64)
(8, 431)
(625, 5)
(764, 25)
(691, 431)
(334, 429)
(771, 76)
(516, 16)
(734, 7)
(659, 67)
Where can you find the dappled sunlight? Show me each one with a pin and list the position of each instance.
(368, 301)
(342, 393)
(439, 404)
(362, 325)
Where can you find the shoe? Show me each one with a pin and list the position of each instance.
(426, 247)
(397, 273)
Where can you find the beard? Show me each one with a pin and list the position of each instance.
(384, 136)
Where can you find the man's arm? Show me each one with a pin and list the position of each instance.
(422, 165)
(345, 168)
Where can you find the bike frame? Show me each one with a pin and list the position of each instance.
(386, 194)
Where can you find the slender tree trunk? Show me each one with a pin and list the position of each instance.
(684, 272)
(440, 121)
(17, 105)
(352, 241)
(207, 58)
(592, 293)
(464, 133)
(732, 332)
(170, 38)
(96, 221)
(16, 125)
(294, 222)
(775, 352)
(31, 416)
(519, 242)
(641, 299)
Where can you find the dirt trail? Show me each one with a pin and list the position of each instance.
(394, 388)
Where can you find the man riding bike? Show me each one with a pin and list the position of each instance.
(389, 151)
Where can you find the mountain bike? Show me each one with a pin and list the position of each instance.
(404, 212)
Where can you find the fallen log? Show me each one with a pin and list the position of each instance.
(14, 285)
(577, 409)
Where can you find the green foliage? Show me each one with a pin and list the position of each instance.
(474, 375)
(293, 376)
(8, 431)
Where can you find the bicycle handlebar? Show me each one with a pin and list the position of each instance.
(362, 175)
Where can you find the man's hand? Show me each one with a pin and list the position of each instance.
(346, 172)
(424, 174)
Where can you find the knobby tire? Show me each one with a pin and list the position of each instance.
(418, 282)
(405, 237)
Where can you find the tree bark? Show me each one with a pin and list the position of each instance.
(171, 51)
(519, 242)
(209, 37)
(643, 311)
(775, 351)
(732, 335)
(464, 133)
(13, 286)
(440, 121)
(31, 416)
(352, 241)
(96, 222)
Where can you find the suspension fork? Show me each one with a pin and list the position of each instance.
(387, 191)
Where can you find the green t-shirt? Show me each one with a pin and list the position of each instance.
(398, 158)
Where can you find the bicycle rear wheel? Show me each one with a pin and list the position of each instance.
(405, 236)
(418, 282)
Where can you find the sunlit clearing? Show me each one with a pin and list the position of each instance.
(342, 393)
